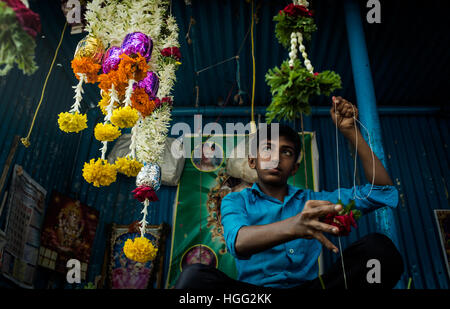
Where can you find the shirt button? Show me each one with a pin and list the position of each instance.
(291, 251)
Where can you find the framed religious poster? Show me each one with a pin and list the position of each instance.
(26, 203)
(68, 233)
(443, 224)
(119, 272)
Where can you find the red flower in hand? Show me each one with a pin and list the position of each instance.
(297, 10)
(342, 222)
(144, 192)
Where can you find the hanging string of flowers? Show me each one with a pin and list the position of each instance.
(85, 66)
(138, 73)
(295, 83)
(19, 27)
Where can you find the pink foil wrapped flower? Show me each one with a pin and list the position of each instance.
(145, 192)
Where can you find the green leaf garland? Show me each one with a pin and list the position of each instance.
(292, 89)
(287, 24)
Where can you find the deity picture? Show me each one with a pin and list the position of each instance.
(69, 230)
(211, 157)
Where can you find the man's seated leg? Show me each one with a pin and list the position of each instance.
(200, 276)
(376, 247)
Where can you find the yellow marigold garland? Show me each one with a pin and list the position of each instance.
(104, 102)
(140, 250)
(124, 117)
(69, 122)
(99, 172)
(128, 167)
(106, 132)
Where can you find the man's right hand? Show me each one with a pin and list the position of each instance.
(307, 225)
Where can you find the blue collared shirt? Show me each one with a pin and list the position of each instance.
(289, 264)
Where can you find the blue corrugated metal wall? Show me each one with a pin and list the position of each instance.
(418, 161)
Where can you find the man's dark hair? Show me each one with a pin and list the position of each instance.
(285, 131)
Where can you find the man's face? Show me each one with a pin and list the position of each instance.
(275, 161)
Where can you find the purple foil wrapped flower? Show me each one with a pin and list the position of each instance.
(150, 84)
(138, 42)
(112, 59)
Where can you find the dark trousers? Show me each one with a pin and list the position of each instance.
(356, 256)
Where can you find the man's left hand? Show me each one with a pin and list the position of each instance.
(342, 113)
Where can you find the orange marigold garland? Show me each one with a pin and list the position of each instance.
(86, 66)
(133, 67)
(119, 81)
(142, 102)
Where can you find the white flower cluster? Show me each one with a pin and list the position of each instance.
(301, 2)
(297, 38)
(151, 135)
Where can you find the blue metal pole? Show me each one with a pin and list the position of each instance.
(366, 101)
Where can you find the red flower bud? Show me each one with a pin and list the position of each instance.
(294, 10)
(173, 52)
(142, 193)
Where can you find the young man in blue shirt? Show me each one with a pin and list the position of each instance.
(275, 231)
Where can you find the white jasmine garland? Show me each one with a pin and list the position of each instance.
(112, 20)
(167, 79)
(293, 50)
(132, 148)
(104, 149)
(303, 2)
(113, 98)
(78, 93)
(144, 222)
(302, 49)
(129, 92)
(151, 135)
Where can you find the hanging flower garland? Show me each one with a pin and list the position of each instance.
(85, 65)
(19, 27)
(293, 84)
(137, 76)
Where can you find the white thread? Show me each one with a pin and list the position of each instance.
(339, 192)
(337, 153)
(342, 262)
(354, 174)
(355, 195)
